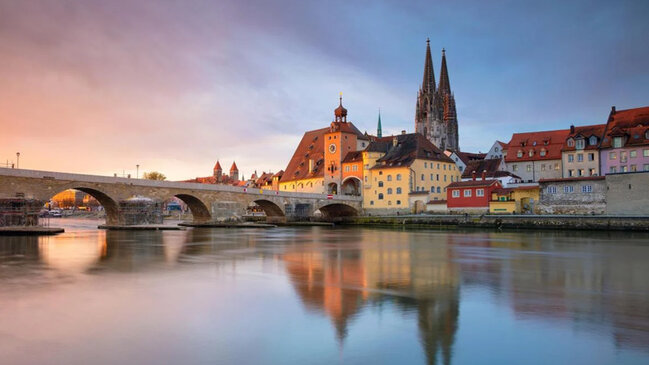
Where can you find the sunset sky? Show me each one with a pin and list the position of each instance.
(100, 86)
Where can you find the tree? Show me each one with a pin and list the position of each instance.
(154, 175)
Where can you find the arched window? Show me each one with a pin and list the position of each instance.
(432, 189)
(389, 177)
(439, 190)
(592, 140)
(380, 196)
(389, 190)
(422, 177)
(398, 177)
(531, 153)
(398, 190)
(380, 184)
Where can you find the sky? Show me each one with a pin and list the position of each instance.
(102, 86)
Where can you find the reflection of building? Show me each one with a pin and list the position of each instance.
(414, 276)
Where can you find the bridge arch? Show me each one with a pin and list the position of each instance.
(351, 185)
(200, 211)
(270, 208)
(111, 207)
(337, 210)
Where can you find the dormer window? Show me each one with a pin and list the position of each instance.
(592, 140)
(543, 152)
(531, 153)
(617, 142)
(534, 143)
(546, 142)
(580, 144)
(571, 142)
(646, 134)
(519, 154)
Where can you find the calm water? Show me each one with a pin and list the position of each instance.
(324, 296)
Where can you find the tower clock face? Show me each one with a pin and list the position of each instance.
(332, 148)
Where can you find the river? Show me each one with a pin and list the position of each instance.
(320, 295)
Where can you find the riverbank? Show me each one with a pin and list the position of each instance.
(30, 231)
(573, 222)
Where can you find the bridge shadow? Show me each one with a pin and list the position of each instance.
(199, 210)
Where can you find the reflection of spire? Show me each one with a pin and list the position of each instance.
(437, 320)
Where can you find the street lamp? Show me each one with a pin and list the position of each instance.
(17, 160)
(137, 171)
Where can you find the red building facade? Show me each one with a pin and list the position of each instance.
(473, 195)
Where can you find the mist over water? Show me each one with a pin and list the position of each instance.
(322, 295)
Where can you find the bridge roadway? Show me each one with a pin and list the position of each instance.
(123, 198)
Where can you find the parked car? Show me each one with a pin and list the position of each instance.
(55, 213)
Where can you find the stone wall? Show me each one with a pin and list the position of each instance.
(627, 194)
(575, 201)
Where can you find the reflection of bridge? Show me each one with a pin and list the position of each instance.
(206, 201)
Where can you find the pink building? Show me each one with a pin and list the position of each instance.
(625, 144)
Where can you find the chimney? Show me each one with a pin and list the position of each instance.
(484, 175)
(572, 128)
(473, 175)
(613, 109)
(310, 165)
(403, 131)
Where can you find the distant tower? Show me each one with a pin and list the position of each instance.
(435, 115)
(379, 131)
(218, 171)
(234, 172)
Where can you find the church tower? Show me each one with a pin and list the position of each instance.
(435, 115)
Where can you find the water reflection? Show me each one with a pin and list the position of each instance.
(593, 283)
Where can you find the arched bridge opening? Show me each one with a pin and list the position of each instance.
(274, 212)
(70, 200)
(200, 211)
(337, 211)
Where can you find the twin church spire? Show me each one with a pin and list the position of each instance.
(435, 114)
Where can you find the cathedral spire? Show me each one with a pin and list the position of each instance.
(444, 84)
(379, 131)
(428, 83)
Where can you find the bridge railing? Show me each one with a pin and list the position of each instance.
(53, 175)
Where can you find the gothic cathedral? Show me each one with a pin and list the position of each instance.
(435, 115)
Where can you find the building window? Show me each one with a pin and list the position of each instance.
(623, 156)
(398, 190)
(380, 196)
(529, 168)
(571, 158)
(580, 157)
(437, 177)
(571, 142)
(543, 167)
(389, 202)
(347, 168)
(645, 167)
(580, 172)
(438, 166)
(591, 172)
(633, 154)
(355, 168)
(515, 167)
(587, 189)
(580, 144)
(593, 140)
(389, 178)
(422, 177)
(389, 191)
(556, 166)
(380, 172)
(431, 177)
(633, 168)
(444, 166)
(591, 157)
(567, 189)
(612, 155)
(612, 170)
(551, 189)
(444, 177)
(425, 164)
(432, 189)
(531, 153)
(479, 192)
(617, 142)
(439, 190)
(467, 193)
(371, 202)
(519, 154)
(398, 202)
(645, 153)
(571, 173)
(456, 193)
(365, 178)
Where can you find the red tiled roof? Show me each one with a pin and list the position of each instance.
(481, 165)
(467, 157)
(633, 124)
(409, 148)
(353, 156)
(585, 132)
(550, 141)
(472, 183)
(311, 147)
(234, 167)
(279, 173)
(217, 166)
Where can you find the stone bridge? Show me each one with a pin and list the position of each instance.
(128, 201)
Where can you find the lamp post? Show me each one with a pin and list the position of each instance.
(17, 160)
(137, 171)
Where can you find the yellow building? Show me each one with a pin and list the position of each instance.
(521, 199)
(404, 172)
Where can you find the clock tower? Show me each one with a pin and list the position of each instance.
(339, 140)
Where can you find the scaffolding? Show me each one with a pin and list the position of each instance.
(19, 211)
(140, 210)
